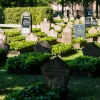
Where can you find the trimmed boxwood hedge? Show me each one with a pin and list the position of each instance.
(85, 63)
(26, 63)
(13, 15)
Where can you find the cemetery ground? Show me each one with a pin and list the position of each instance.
(80, 87)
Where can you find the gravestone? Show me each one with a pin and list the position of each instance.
(57, 27)
(56, 70)
(67, 35)
(92, 30)
(32, 37)
(91, 49)
(71, 17)
(82, 19)
(94, 22)
(98, 40)
(65, 19)
(3, 36)
(45, 26)
(98, 28)
(79, 30)
(70, 24)
(1, 31)
(53, 33)
(42, 47)
(26, 23)
(88, 22)
(4, 46)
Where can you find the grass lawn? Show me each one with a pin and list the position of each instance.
(80, 88)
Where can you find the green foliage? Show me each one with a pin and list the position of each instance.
(91, 35)
(48, 39)
(37, 91)
(79, 40)
(3, 55)
(20, 45)
(27, 62)
(15, 38)
(13, 15)
(58, 21)
(12, 33)
(85, 63)
(40, 34)
(34, 30)
(61, 48)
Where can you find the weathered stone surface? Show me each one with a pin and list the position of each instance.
(3, 36)
(92, 30)
(32, 37)
(91, 49)
(43, 47)
(57, 27)
(67, 35)
(82, 19)
(4, 46)
(56, 70)
(53, 33)
(45, 26)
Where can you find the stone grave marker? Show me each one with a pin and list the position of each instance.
(53, 33)
(26, 23)
(42, 47)
(98, 40)
(32, 37)
(88, 22)
(1, 31)
(67, 35)
(91, 49)
(79, 30)
(70, 24)
(98, 28)
(57, 27)
(3, 36)
(4, 46)
(92, 30)
(94, 22)
(65, 19)
(45, 26)
(82, 19)
(56, 70)
(71, 17)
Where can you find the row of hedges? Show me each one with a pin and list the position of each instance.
(13, 15)
(26, 63)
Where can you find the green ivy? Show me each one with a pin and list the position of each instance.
(36, 91)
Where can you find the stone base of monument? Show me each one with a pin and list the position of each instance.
(79, 45)
(29, 49)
